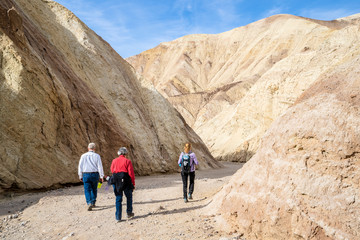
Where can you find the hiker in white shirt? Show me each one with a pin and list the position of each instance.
(90, 172)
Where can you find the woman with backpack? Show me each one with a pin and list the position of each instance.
(187, 162)
(123, 180)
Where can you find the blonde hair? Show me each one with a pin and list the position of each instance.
(187, 147)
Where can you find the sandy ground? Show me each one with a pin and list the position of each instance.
(160, 212)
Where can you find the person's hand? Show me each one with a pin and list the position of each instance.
(101, 180)
(81, 179)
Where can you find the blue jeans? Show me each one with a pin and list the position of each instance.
(118, 201)
(91, 181)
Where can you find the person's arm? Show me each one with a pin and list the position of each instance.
(100, 169)
(80, 168)
(130, 170)
(180, 159)
(195, 159)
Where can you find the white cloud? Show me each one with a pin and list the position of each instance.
(273, 11)
(125, 24)
(111, 27)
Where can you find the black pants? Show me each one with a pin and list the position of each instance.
(184, 177)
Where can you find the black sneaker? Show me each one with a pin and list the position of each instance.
(185, 200)
(130, 215)
(190, 196)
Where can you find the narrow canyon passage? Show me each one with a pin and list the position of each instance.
(160, 212)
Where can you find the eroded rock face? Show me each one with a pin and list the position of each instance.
(303, 183)
(230, 87)
(62, 87)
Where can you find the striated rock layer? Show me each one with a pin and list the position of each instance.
(303, 182)
(61, 87)
(231, 86)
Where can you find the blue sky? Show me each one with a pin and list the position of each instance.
(133, 26)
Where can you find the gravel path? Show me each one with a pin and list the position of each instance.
(160, 212)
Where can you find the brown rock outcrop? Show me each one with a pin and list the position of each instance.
(231, 86)
(303, 182)
(62, 86)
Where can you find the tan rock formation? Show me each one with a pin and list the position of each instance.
(230, 87)
(62, 86)
(303, 182)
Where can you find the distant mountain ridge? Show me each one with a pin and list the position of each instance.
(231, 86)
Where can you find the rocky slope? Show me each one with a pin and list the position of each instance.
(230, 87)
(303, 183)
(61, 87)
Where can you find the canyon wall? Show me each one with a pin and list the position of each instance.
(303, 182)
(61, 87)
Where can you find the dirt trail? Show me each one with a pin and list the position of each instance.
(160, 212)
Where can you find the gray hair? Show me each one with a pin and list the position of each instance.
(91, 146)
(122, 151)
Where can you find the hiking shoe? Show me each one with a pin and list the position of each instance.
(185, 200)
(190, 196)
(130, 215)
(93, 205)
(89, 207)
(117, 221)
